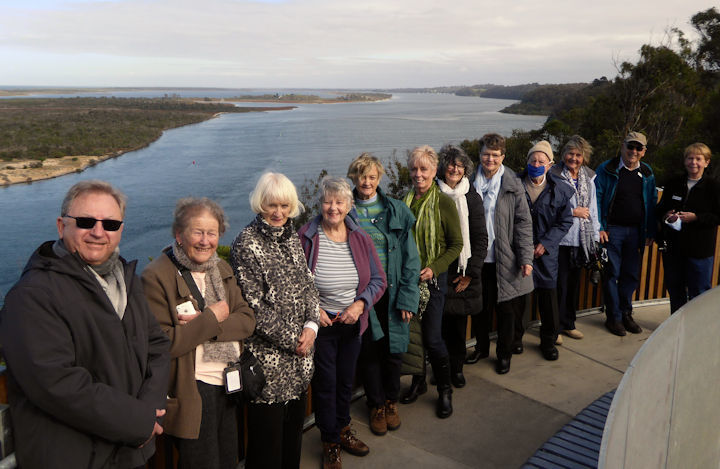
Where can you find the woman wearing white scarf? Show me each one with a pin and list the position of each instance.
(506, 272)
(464, 295)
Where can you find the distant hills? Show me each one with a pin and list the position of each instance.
(536, 99)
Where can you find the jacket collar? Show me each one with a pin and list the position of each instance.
(394, 223)
(611, 167)
(557, 170)
(550, 177)
(44, 258)
(315, 223)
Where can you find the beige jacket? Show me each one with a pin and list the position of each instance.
(165, 289)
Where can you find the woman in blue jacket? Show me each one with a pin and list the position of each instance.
(549, 201)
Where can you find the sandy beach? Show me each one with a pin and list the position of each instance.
(25, 171)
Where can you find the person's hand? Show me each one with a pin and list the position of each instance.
(426, 274)
(325, 320)
(221, 310)
(604, 237)
(539, 250)
(462, 283)
(526, 270)
(305, 342)
(351, 314)
(671, 216)
(406, 315)
(581, 212)
(687, 217)
(157, 429)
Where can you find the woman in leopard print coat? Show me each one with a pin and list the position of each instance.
(271, 269)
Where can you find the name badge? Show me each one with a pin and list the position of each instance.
(233, 379)
(676, 197)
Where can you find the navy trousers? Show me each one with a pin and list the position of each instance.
(336, 353)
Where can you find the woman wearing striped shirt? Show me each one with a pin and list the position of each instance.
(350, 280)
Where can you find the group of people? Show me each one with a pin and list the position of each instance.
(101, 361)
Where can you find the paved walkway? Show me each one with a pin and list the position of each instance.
(500, 421)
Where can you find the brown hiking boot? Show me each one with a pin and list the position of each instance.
(331, 456)
(351, 443)
(378, 423)
(392, 416)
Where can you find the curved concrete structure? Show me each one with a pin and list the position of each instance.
(666, 411)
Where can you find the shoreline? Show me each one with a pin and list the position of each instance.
(27, 171)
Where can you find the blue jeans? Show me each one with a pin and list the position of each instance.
(685, 277)
(622, 275)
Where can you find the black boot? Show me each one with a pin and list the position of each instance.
(456, 372)
(476, 356)
(418, 387)
(630, 324)
(441, 369)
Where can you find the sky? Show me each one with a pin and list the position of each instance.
(326, 43)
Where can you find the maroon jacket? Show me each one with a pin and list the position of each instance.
(372, 281)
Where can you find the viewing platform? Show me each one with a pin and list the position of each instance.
(500, 421)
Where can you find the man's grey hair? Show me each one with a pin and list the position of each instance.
(93, 185)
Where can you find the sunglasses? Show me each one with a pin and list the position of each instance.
(634, 146)
(88, 223)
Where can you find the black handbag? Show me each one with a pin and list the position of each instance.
(253, 376)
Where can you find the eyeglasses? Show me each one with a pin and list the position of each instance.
(88, 223)
(488, 156)
(635, 146)
(456, 165)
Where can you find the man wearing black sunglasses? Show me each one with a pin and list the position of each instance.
(626, 197)
(87, 363)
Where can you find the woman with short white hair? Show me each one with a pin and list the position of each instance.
(350, 280)
(270, 267)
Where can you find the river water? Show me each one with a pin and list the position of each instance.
(222, 159)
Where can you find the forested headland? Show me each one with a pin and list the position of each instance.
(48, 137)
(40, 128)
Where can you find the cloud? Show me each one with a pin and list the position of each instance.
(325, 43)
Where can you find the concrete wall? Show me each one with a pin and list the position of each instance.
(666, 411)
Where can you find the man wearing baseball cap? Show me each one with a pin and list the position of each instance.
(626, 197)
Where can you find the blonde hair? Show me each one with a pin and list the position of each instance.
(423, 152)
(698, 147)
(275, 187)
(361, 165)
(576, 142)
